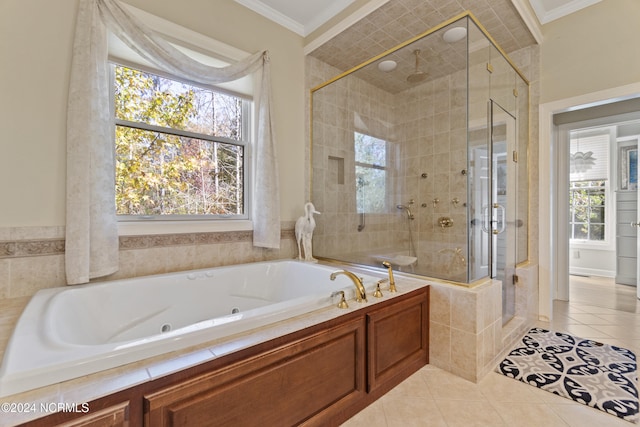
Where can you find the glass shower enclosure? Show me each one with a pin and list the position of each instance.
(419, 158)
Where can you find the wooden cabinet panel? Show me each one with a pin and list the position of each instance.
(398, 339)
(114, 416)
(305, 380)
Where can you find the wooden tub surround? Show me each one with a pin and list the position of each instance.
(320, 375)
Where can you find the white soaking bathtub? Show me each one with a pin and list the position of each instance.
(69, 332)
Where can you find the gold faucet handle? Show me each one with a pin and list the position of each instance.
(343, 301)
(378, 292)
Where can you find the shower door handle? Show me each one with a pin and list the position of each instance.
(484, 222)
(635, 224)
(503, 221)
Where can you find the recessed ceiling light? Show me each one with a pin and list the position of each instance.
(387, 66)
(454, 34)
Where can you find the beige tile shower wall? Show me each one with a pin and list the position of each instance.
(339, 109)
(467, 337)
(431, 133)
(33, 258)
(465, 328)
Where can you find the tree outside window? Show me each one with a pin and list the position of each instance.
(179, 147)
(587, 210)
(371, 173)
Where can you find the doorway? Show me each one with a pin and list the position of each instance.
(597, 192)
(552, 258)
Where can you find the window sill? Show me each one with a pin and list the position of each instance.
(144, 228)
(586, 245)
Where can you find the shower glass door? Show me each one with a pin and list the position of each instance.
(479, 195)
(501, 208)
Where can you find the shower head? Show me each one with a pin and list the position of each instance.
(418, 75)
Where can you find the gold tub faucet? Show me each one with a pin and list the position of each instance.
(361, 294)
(392, 282)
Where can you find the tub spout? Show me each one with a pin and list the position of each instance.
(361, 294)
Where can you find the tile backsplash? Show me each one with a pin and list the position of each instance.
(32, 258)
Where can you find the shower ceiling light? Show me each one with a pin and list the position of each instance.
(454, 34)
(387, 66)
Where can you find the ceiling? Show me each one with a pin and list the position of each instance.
(305, 16)
(393, 22)
(400, 20)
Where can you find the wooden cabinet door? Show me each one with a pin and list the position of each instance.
(305, 381)
(398, 339)
(113, 416)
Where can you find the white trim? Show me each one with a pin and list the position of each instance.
(327, 13)
(545, 16)
(591, 272)
(343, 25)
(530, 19)
(547, 212)
(274, 15)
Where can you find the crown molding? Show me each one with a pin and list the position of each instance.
(343, 25)
(530, 19)
(545, 16)
(275, 16)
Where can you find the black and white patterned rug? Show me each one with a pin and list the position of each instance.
(598, 375)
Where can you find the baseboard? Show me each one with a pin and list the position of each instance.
(580, 271)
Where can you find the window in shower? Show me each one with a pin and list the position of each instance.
(371, 173)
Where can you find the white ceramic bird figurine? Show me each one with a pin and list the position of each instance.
(304, 232)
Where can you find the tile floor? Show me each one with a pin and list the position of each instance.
(598, 309)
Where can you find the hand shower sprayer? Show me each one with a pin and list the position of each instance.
(406, 208)
(410, 217)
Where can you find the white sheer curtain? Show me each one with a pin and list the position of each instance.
(91, 227)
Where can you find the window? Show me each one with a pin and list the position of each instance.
(589, 186)
(371, 173)
(180, 148)
(587, 210)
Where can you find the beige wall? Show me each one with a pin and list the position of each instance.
(591, 50)
(35, 49)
